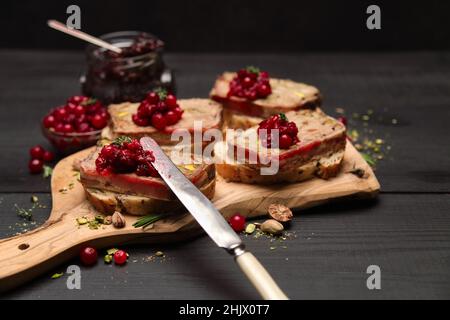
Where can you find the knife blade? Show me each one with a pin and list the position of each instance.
(210, 219)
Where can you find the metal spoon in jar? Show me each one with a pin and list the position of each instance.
(82, 35)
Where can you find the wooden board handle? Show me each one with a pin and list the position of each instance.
(27, 255)
(259, 277)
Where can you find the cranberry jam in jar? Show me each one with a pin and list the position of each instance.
(127, 76)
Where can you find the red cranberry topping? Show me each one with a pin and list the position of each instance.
(250, 83)
(159, 109)
(80, 114)
(287, 131)
(125, 155)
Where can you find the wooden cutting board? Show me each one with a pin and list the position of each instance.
(60, 238)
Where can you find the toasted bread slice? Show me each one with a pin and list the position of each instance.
(108, 202)
(323, 167)
(204, 110)
(132, 184)
(319, 135)
(286, 96)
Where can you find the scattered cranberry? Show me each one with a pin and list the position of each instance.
(80, 114)
(125, 155)
(120, 257)
(88, 256)
(237, 222)
(35, 166)
(37, 152)
(48, 156)
(288, 131)
(250, 83)
(159, 109)
(343, 120)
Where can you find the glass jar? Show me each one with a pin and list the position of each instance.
(129, 76)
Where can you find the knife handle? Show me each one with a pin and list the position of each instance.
(259, 277)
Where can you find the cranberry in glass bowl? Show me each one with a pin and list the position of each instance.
(129, 75)
(75, 125)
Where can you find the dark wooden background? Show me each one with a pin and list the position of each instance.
(406, 231)
(237, 25)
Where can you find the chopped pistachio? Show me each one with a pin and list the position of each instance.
(379, 141)
(250, 228)
(34, 199)
(93, 224)
(99, 218)
(82, 220)
(107, 258)
(365, 117)
(159, 254)
(354, 134)
(112, 251)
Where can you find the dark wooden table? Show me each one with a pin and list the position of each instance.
(406, 231)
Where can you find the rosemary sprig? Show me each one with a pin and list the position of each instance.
(121, 140)
(147, 220)
(89, 102)
(252, 69)
(161, 92)
(24, 213)
(369, 159)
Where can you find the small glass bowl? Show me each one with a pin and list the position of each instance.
(67, 143)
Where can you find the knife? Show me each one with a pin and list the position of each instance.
(213, 222)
